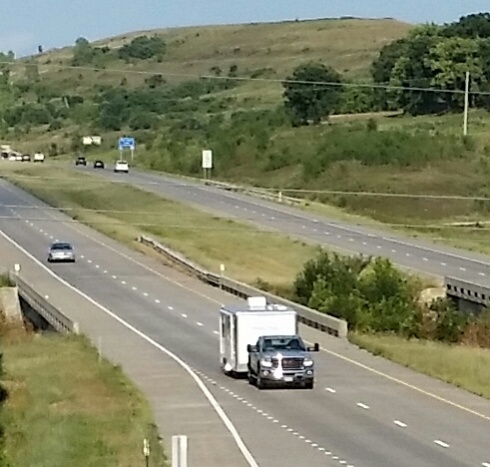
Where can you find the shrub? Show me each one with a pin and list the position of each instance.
(373, 296)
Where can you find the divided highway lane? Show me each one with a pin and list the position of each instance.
(419, 255)
(355, 424)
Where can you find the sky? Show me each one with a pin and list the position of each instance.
(57, 23)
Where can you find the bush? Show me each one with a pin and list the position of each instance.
(373, 296)
(142, 48)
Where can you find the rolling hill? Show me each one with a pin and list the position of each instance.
(269, 50)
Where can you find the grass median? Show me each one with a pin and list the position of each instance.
(247, 253)
(124, 212)
(67, 408)
(463, 366)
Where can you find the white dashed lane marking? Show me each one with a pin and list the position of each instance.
(462, 269)
(156, 300)
(307, 441)
(362, 406)
(199, 323)
(170, 308)
(333, 391)
(441, 443)
(184, 315)
(399, 423)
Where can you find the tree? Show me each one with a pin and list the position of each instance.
(143, 48)
(311, 102)
(450, 59)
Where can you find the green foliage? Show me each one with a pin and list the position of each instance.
(28, 114)
(85, 54)
(143, 48)
(372, 148)
(356, 99)
(311, 102)
(373, 296)
(435, 57)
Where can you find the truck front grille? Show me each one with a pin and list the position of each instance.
(289, 363)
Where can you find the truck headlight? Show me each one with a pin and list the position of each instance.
(266, 362)
(308, 362)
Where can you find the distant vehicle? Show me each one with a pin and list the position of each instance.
(26, 158)
(18, 157)
(260, 340)
(98, 164)
(61, 252)
(81, 160)
(121, 166)
(5, 155)
(38, 157)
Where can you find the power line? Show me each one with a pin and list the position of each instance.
(247, 79)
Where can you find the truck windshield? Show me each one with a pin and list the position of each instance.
(283, 343)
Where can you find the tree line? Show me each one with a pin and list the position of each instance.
(434, 57)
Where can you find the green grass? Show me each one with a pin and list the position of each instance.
(67, 409)
(463, 366)
(248, 253)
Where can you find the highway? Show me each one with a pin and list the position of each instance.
(415, 254)
(364, 411)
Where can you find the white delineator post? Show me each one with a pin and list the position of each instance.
(179, 451)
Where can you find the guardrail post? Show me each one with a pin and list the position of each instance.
(146, 451)
(222, 271)
(179, 451)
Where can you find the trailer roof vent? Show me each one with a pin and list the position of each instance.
(277, 307)
(257, 303)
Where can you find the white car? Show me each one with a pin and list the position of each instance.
(121, 166)
(38, 157)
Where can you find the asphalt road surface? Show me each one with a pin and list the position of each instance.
(424, 256)
(364, 411)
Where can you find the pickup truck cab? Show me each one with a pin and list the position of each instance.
(281, 360)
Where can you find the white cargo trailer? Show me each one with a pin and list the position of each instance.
(241, 325)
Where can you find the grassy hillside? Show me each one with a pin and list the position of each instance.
(269, 50)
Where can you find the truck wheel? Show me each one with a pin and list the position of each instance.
(260, 383)
(309, 384)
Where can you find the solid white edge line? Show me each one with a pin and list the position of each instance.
(207, 393)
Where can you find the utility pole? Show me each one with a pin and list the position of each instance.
(466, 103)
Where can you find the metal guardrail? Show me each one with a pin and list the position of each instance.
(257, 192)
(458, 288)
(311, 318)
(38, 303)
